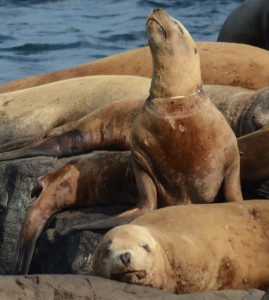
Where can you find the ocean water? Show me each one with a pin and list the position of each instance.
(44, 36)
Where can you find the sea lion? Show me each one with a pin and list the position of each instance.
(221, 63)
(245, 111)
(45, 107)
(179, 134)
(191, 248)
(103, 178)
(108, 128)
(247, 24)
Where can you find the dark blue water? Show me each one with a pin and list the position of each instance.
(43, 36)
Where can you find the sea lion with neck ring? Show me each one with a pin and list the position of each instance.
(190, 249)
(182, 151)
(107, 128)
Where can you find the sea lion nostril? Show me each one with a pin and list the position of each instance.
(125, 258)
(156, 9)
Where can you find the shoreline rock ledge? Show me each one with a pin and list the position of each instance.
(56, 287)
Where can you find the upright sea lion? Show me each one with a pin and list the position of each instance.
(47, 106)
(108, 128)
(179, 134)
(191, 248)
(221, 63)
(174, 174)
(248, 24)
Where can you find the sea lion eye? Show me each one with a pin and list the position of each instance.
(146, 247)
(105, 250)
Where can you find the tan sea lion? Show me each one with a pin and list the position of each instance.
(47, 106)
(108, 128)
(247, 24)
(191, 248)
(221, 63)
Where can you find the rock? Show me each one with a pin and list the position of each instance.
(54, 254)
(50, 287)
(17, 179)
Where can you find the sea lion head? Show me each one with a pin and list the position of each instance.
(176, 62)
(129, 253)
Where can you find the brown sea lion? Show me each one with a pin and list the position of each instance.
(221, 63)
(191, 248)
(96, 179)
(248, 24)
(182, 147)
(108, 128)
(45, 107)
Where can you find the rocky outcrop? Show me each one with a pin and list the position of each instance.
(17, 179)
(78, 287)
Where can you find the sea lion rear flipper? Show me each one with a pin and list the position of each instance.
(22, 142)
(42, 147)
(26, 246)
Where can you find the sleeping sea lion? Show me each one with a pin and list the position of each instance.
(108, 128)
(191, 248)
(45, 107)
(247, 24)
(221, 63)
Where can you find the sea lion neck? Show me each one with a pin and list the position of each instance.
(176, 62)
